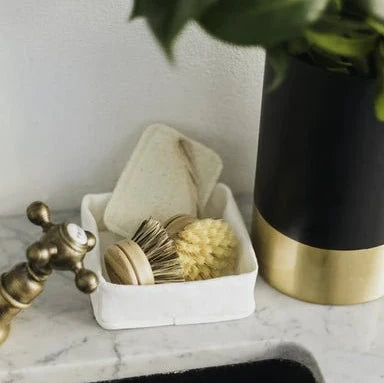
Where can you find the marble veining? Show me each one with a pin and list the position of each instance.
(57, 339)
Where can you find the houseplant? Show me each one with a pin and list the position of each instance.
(319, 216)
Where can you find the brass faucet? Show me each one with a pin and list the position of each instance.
(62, 247)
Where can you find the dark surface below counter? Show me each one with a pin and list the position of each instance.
(271, 370)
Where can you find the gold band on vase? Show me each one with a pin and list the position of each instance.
(317, 275)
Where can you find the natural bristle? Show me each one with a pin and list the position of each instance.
(207, 249)
(160, 251)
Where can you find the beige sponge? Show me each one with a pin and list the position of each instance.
(167, 174)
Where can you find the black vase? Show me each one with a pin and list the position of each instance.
(318, 225)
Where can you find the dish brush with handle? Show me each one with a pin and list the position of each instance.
(199, 249)
(148, 258)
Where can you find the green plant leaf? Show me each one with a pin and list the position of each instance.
(167, 18)
(340, 45)
(260, 22)
(379, 97)
(374, 8)
(376, 24)
(342, 37)
(340, 64)
(278, 58)
(341, 24)
(297, 47)
(337, 5)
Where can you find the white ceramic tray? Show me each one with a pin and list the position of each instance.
(213, 300)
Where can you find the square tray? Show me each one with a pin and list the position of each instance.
(219, 299)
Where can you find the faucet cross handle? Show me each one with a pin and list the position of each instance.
(62, 247)
(39, 214)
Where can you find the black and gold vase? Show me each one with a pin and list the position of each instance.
(318, 225)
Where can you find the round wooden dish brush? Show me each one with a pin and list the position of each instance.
(207, 248)
(148, 258)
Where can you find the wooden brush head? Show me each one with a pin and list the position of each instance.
(149, 257)
(160, 251)
(177, 223)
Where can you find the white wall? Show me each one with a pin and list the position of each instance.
(78, 83)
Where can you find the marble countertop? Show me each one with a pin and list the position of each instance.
(57, 339)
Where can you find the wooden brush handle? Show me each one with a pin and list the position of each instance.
(177, 223)
(127, 264)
